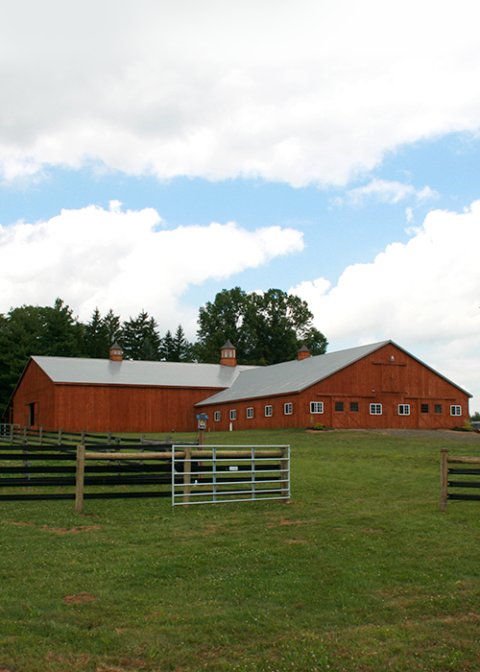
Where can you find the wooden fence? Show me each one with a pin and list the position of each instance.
(16, 435)
(467, 483)
(45, 472)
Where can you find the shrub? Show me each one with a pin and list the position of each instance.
(319, 427)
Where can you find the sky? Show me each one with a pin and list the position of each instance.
(154, 153)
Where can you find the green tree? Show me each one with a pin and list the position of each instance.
(61, 335)
(113, 327)
(35, 330)
(96, 337)
(101, 333)
(176, 348)
(140, 339)
(266, 328)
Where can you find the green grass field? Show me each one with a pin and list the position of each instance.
(359, 572)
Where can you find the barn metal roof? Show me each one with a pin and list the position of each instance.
(291, 376)
(105, 372)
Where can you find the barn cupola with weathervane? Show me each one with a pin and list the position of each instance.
(116, 353)
(228, 355)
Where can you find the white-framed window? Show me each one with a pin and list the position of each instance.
(268, 411)
(233, 414)
(288, 408)
(249, 412)
(403, 409)
(375, 409)
(217, 416)
(316, 407)
(455, 410)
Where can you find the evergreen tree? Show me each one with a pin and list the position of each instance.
(167, 348)
(140, 339)
(113, 328)
(96, 337)
(176, 348)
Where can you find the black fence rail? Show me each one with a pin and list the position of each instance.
(464, 489)
(16, 435)
(34, 472)
(45, 472)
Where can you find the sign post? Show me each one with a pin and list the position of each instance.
(202, 426)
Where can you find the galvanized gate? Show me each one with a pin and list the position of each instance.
(222, 473)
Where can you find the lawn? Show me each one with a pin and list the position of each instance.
(360, 571)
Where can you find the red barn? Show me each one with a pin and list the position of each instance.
(379, 385)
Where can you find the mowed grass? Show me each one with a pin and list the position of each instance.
(359, 572)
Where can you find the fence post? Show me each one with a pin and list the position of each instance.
(84, 431)
(284, 472)
(443, 478)
(59, 441)
(79, 479)
(187, 469)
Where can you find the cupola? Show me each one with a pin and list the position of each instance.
(228, 355)
(303, 353)
(116, 353)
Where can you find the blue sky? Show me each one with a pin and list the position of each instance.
(330, 151)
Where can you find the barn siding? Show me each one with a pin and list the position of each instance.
(377, 378)
(388, 376)
(35, 388)
(104, 408)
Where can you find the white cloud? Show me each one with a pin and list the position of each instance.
(388, 191)
(114, 259)
(425, 295)
(305, 93)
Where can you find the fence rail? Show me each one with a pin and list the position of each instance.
(222, 475)
(447, 483)
(16, 435)
(36, 472)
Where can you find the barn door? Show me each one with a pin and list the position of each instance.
(425, 415)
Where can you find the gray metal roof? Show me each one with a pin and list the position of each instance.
(291, 376)
(106, 372)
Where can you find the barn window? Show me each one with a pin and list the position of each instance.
(403, 409)
(438, 408)
(288, 408)
(250, 412)
(455, 410)
(423, 408)
(233, 414)
(316, 407)
(339, 405)
(217, 416)
(354, 406)
(268, 411)
(375, 409)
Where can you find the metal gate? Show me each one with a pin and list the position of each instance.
(229, 474)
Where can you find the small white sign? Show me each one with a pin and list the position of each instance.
(233, 468)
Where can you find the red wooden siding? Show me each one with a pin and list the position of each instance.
(388, 376)
(378, 379)
(105, 408)
(35, 388)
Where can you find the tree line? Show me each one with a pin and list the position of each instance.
(266, 329)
